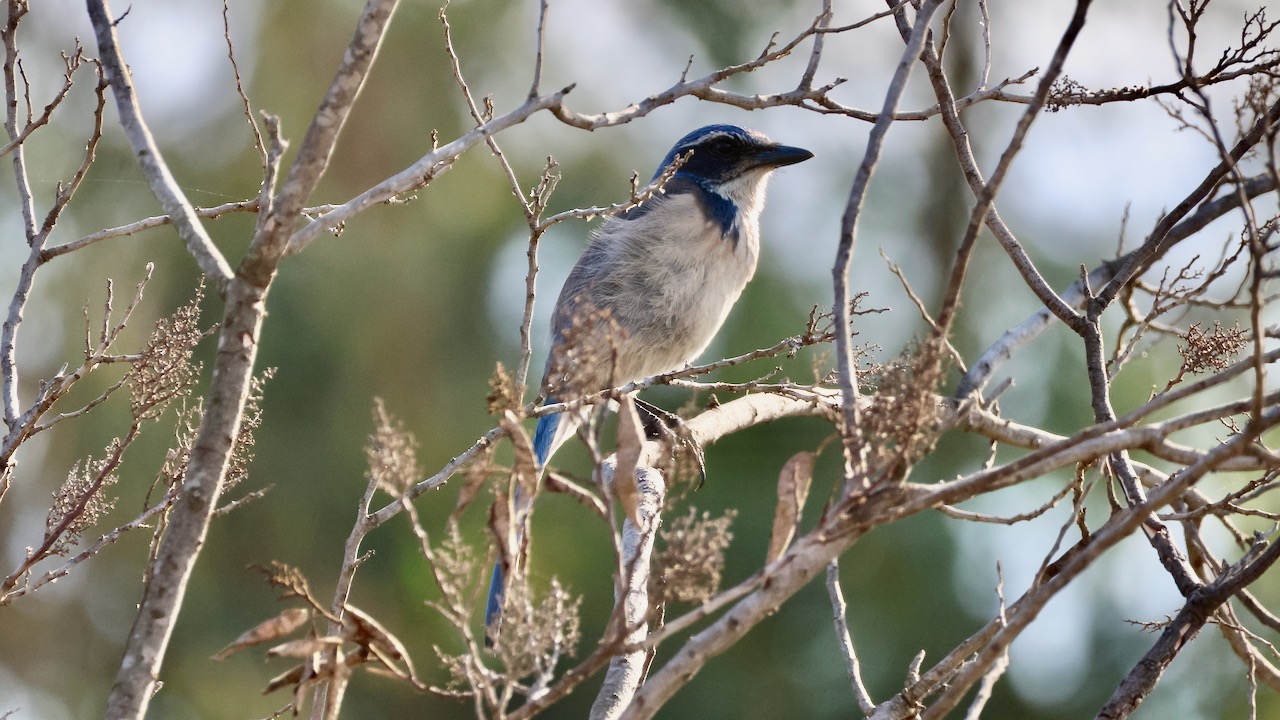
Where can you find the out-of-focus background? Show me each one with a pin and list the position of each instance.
(415, 303)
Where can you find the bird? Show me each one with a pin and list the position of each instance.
(656, 282)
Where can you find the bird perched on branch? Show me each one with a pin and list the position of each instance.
(656, 282)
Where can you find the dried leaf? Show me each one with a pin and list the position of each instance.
(370, 633)
(288, 579)
(630, 443)
(294, 676)
(476, 475)
(303, 647)
(500, 526)
(793, 489)
(266, 631)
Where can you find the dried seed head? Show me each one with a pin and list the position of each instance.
(81, 500)
(536, 635)
(691, 564)
(250, 421)
(901, 422)
(503, 393)
(392, 453)
(1211, 351)
(163, 370)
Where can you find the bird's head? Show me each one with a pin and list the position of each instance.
(724, 153)
(731, 164)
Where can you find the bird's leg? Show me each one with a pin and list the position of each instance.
(661, 425)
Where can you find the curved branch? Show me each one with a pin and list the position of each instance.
(1200, 607)
(421, 171)
(160, 180)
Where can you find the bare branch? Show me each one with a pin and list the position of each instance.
(851, 665)
(855, 459)
(272, 238)
(161, 181)
(626, 671)
(1022, 335)
(1200, 607)
(421, 172)
(26, 276)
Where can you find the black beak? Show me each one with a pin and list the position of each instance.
(779, 155)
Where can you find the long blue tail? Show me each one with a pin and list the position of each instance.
(543, 438)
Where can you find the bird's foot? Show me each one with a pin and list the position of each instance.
(659, 424)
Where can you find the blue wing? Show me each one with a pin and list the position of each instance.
(544, 436)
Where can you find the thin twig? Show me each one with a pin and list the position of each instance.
(855, 451)
(328, 694)
(853, 669)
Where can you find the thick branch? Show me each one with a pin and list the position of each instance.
(139, 672)
(233, 366)
(626, 671)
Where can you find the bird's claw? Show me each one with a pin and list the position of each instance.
(659, 424)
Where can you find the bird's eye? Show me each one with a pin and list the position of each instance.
(722, 148)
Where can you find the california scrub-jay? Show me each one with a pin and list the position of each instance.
(657, 281)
